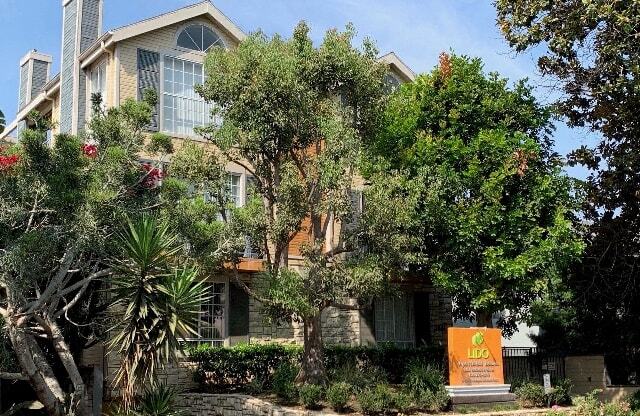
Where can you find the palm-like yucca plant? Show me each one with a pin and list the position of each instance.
(155, 303)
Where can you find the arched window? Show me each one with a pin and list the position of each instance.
(198, 38)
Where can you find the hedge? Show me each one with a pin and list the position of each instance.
(223, 368)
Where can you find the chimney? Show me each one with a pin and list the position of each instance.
(81, 27)
(35, 69)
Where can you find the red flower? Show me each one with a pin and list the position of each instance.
(90, 150)
(153, 176)
(7, 162)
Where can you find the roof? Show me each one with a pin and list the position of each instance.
(47, 89)
(204, 8)
(402, 69)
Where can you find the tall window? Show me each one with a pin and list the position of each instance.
(212, 323)
(198, 38)
(183, 108)
(394, 320)
(99, 82)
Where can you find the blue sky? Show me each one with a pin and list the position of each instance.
(418, 30)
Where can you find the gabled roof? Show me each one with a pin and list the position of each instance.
(177, 16)
(398, 66)
(204, 8)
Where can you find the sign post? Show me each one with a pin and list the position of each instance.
(476, 372)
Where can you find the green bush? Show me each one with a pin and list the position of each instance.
(357, 376)
(590, 405)
(530, 395)
(634, 401)
(219, 368)
(158, 401)
(433, 401)
(561, 393)
(311, 395)
(403, 402)
(338, 395)
(390, 358)
(284, 381)
(376, 400)
(422, 376)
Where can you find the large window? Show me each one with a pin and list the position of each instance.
(99, 83)
(212, 323)
(394, 320)
(183, 108)
(198, 38)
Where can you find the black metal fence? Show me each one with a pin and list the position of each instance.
(529, 364)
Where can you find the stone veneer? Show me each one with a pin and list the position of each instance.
(198, 404)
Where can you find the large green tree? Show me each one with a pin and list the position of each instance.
(590, 50)
(494, 212)
(295, 116)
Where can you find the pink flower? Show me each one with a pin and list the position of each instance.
(90, 150)
(153, 176)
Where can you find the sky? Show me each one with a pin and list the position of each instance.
(417, 30)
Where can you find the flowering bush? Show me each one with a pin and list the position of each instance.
(153, 176)
(7, 161)
(90, 150)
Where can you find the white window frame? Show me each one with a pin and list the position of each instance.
(195, 51)
(102, 65)
(188, 58)
(223, 341)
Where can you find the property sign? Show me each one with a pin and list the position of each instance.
(475, 356)
(546, 379)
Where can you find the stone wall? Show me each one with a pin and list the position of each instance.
(197, 404)
(241, 405)
(588, 373)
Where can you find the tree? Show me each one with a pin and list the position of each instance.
(156, 303)
(590, 51)
(494, 214)
(3, 121)
(60, 208)
(295, 117)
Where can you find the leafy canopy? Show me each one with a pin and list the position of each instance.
(493, 211)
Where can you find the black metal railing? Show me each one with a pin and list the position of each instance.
(529, 364)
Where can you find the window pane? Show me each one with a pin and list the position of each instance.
(186, 41)
(209, 39)
(195, 33)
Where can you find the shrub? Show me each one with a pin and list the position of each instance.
(284, 381)
(223, 368)
(433, 401)
(158, 401)
(390, 358)
(358, 377)
(403, 402)
(219, 367)
(530, 395)
(338, 395)
(376, 400)
(561, 393)
(311, 395)
(422, 376)
(634, 401)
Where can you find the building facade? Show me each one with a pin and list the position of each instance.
(166, 53)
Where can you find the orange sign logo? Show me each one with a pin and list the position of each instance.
(475, 356)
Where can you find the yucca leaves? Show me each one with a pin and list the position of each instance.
(156, 304)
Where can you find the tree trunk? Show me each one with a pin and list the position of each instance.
(484, 319)
(79, 399)
(34, 365)
(312, 369)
